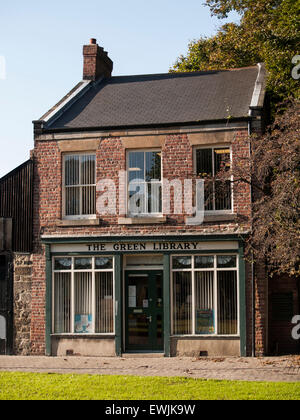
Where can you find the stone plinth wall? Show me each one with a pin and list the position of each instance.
(22, 303)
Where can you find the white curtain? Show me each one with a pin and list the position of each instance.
(104, 303)
(62, 299)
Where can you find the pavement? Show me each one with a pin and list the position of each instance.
(270, 369)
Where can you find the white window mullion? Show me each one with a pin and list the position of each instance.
(193, 299)
(93, 298)
(214, 183)
(216, 295)
(72, 299)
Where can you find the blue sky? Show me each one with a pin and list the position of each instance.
(41, 43)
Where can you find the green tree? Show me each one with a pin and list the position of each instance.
(269, 32)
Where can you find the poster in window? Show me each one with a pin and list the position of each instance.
(83, 324)
(205, 322)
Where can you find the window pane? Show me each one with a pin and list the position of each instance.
(83, 302)
(88, 170)
(88, 200)
(223, 195)
(103, 263)
(153, 166)
(222, 159)
(204, 301)
(136, 166)
(208, 195)
(72, 201)
(154, 198)
(226, 261)
(182, 301)
(204, 162)
(62, 303)
(72, 170)
(62, 263)
(104, 303)
(204, 262)
(83, 263)
(182, 262)
(227, 302)
(137, 198)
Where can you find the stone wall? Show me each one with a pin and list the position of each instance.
(22, 303)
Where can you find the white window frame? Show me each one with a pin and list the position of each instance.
(143, 215)
(215, 270)
(213, 147)
(72, 272)
(64, 187)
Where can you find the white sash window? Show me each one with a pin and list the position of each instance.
(144, 183)
(79, 185)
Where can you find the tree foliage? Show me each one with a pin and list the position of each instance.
(273, 170)
(269, 32)
(275, 173)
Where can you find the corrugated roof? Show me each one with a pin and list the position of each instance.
(161, 99)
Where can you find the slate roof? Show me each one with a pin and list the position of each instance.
(162, 99)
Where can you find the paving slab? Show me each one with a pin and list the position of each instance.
(271, 369)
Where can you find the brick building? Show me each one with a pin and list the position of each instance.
(123, 259)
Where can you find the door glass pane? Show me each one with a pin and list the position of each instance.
(182, 301)
(138, 292)
(227, 302)
(83, 303)
(159, 291)
(204, 302)
(159, 327)
(104, 302)
(62, 303)
(138, 330)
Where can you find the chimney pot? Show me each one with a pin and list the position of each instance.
(93, 41)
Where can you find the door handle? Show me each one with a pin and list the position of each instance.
(149, 318)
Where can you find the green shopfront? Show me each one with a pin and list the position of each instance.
(113, 295)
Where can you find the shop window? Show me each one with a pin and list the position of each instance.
(83, 295)
(209, 162)
(144, 183)
(79, 185)
(205, 295)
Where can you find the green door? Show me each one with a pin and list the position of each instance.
(144, 311)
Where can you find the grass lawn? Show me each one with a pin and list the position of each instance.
(37, 386)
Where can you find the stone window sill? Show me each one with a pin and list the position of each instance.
(216, 218)
(82, 222)
(208, 218)
(141, 220)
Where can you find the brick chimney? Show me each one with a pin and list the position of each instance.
(96, 63)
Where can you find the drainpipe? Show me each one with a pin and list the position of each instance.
(252, 262)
